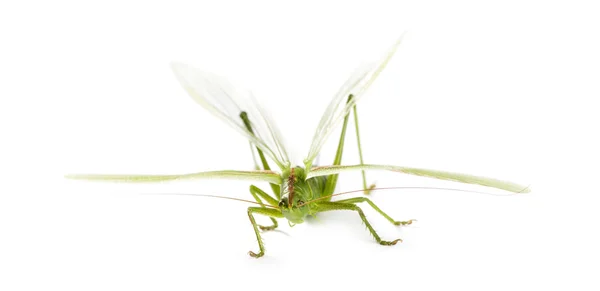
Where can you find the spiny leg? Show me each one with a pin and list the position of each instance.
(256, 192)
(363, 199)
(329, 206)
(367, 190)
(264, 211)
(332, 179)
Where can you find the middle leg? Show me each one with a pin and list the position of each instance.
(257, 193)
(329, 206)
(364, 199)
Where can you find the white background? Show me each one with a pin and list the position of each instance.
(497, 88)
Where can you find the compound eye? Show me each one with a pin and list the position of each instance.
(282, 203)
(300, 202)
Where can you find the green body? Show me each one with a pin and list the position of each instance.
(297, 191)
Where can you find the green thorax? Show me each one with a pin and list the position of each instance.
(296, 191)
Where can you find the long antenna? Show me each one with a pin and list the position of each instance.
(213, 196)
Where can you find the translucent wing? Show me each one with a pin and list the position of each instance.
(267, 176)
(456, 177)
(219, 97)
(356, 85)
